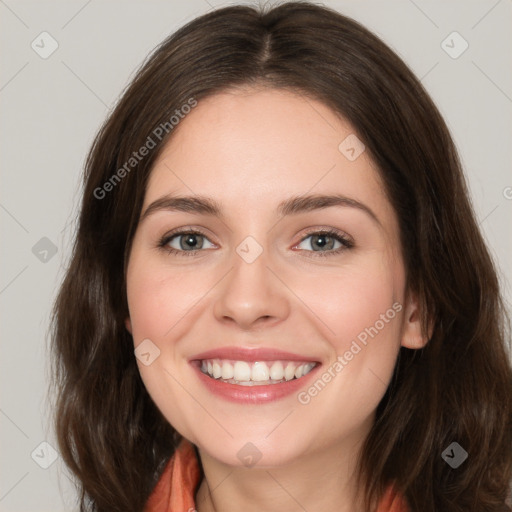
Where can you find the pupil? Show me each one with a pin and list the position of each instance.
(191, 240)
(324, 243)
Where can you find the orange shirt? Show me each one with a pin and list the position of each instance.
(175, 489)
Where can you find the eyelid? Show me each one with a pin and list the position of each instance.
(346, 241)
(183, 230)
(327, 231)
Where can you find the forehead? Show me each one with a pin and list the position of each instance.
(251, 149)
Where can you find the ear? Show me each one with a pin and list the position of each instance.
(412, 333)
(128, 324)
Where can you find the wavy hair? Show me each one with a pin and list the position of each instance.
(457, 388)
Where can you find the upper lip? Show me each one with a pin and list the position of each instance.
(250, 355)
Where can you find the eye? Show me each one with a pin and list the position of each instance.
(323, 242)
(190, 242)
(184, 243)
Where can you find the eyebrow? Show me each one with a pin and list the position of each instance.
(204, 205)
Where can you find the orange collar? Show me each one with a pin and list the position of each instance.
(175, 490)
(178, 484)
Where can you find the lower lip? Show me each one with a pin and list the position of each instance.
(253, 394)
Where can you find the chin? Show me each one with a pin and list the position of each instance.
(254, 451)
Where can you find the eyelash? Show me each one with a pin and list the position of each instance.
(331, 233)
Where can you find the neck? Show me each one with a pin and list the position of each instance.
(324, 479)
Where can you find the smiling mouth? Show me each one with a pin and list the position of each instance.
(255, 373)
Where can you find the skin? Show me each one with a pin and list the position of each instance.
(249, 149)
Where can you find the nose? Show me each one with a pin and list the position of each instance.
(252, 296)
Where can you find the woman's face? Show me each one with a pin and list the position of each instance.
(261, 296)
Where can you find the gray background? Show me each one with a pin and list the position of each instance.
(51, 109)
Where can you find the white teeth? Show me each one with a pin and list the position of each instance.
(242, 371)
(228, 372)
(308, 367)
(217, 370)
(259, 372)
(277, 371)
(289, 372)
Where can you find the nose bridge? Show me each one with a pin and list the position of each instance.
(251, 291)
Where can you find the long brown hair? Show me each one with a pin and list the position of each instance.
(456, 389)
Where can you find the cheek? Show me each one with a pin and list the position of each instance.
(351, 300)
(361, 304)
(364, 349)
(364, 311)
(159, 298)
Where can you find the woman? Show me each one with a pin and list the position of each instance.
(279, 297)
